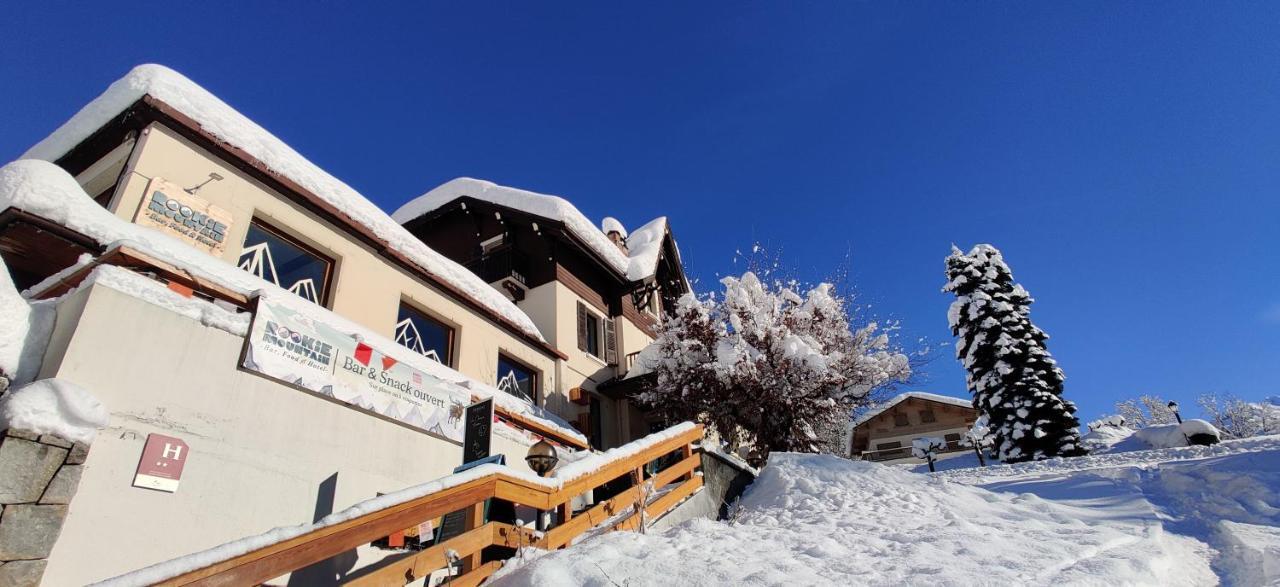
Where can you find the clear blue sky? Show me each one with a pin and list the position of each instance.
(1124, 156)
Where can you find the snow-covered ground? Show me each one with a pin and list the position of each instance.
(1179, 516)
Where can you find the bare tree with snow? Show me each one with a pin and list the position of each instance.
(770, 364)
(1145, 410)
(1013, 379)
(1238, 418)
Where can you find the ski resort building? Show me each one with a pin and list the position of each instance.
(885, 432)
(211, 286)
(596, 293)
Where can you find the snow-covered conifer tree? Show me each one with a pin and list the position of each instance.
(769, 365)
(1014, 381)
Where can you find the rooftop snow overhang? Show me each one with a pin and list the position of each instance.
(545, 224)
(918, 395)
(149, 109)
(634, 267)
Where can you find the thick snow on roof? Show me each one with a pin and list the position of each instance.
(946, 399)
(46, 190)
(224, 122)
(611, 224)
(637, 266)
(54, 406)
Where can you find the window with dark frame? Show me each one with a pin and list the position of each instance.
(593, 335)
(424, 335)
(517, 379)
(275, 257)
(888, 445)
(900, 419)
(927, 417)
(596, 335)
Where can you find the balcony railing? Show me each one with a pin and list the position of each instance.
(890, 454)
(500, 264)
(661, 473)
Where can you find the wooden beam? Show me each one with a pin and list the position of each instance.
(475, 520)
(409, 568)
(477, 576)
(663, 504)
(266, 563)
(622, 467)
(567, 531)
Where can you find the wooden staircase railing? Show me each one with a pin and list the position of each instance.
(673, 478)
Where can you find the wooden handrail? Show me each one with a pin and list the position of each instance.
(263, 564)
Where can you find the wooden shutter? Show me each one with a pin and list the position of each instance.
(610, 343)
(582, 327)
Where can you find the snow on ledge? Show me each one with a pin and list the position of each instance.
(224, 122)
(46, 190)
(54, 406)
(559, 477)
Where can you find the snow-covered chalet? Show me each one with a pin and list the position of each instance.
(207, 283)
(884, 433)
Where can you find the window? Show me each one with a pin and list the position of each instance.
(927, 417)
(271, 255)
(517, 379)
(900, 419)
(424, 335)
(593, 334)
(888, 445)
(952, 439)
(594, 330)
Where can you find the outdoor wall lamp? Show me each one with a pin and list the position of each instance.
(542, 458)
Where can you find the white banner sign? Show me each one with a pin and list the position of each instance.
(293, 347)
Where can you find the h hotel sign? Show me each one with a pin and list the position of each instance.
(188, 217)
(162, 460)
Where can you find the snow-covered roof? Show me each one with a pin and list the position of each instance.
(225, 123)
(46, 190)
(611, 224)
(637, 265)
(933, 397)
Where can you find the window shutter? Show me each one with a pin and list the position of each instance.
(582, 327)
(610, 343)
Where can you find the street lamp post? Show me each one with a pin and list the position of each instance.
(1173, 406)
(542, 458)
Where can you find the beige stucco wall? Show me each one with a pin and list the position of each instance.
(259, 449)
(367, 289)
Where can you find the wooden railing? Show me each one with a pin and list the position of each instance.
(665, 470)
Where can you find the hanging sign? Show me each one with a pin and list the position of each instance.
(475, 445)
(171, 210)
(160, 468)
(293, 346)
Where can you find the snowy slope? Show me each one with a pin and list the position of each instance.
(1187, 516)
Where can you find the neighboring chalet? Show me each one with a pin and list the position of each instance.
(596, 293)
(885, 432)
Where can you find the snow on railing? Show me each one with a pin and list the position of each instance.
(674, 477)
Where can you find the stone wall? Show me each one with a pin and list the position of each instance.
(38, 476)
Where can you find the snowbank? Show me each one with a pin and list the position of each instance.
(638, 265)
(1175, 435)
(822, 520)
(54, 406)
(225, 123)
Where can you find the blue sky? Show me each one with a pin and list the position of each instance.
(1124, 156)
